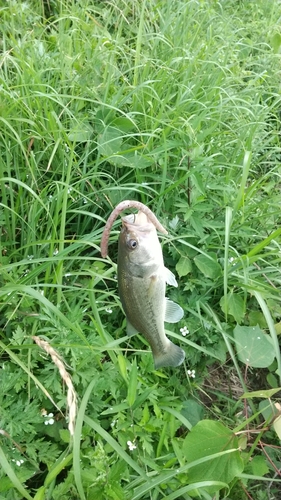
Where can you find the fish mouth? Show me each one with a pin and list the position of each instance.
(140, 219)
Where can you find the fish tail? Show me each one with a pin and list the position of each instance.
(172, 356)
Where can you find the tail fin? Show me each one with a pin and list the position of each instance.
(172, 356)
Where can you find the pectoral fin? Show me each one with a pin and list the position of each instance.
(173, 312)
(131, 329)
(170, 277)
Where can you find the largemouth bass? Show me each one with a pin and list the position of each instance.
(142, 279)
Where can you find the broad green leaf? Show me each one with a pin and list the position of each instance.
(259, 466)
(132, 158)
(234, 305)
(64, 435)
(254, 348)
(82, 132)
(123, 123)
(183, 266)
(257, 318)
(192, 411)
(109, 141)
(208, 438)
(272, 380)
(261, 394)
(208, 265)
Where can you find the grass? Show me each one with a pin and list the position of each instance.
(177, 105)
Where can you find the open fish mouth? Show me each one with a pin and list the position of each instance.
(139, 219)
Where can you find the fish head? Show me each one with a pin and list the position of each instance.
(138, 241)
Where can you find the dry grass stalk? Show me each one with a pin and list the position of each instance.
(71, 394)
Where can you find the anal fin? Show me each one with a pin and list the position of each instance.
(173, 312)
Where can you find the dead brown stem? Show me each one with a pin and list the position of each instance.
(71, 395)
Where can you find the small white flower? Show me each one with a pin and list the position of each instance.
(55, 252)
(191, 373)
(49, 419)
(184, 331)
(19, 462)
(108, 310)
(131, 445)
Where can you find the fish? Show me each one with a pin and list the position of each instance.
(142, 278)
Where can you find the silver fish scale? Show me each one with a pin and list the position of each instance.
(141, 299)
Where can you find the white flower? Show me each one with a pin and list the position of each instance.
(184, 331)
(191, 373)
(108, 310)
(18, 462)
(131, 445)
(49, 419)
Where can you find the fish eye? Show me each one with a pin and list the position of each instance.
(132, 244)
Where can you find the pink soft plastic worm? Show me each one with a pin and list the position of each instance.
(117, 210)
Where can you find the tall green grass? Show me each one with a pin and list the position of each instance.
(176, 104)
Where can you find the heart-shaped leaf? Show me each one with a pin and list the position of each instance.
(254, 348)
(206, 438)
(208, 265)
